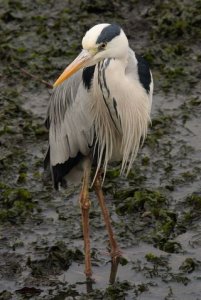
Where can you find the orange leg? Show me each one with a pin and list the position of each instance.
(115, 252)
(85, 205)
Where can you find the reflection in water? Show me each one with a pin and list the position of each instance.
(89, 285)
(112, 278)
(113, 271)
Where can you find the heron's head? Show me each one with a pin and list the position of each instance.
(105, 41)
(100, 42)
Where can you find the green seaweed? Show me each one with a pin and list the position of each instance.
(130, 201)
(59, 258)
(189, 265)
(16, 204)
(195, 201)
(152, 207)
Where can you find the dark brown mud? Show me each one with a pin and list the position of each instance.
(156, 212)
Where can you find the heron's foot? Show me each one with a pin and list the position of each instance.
(89, 277)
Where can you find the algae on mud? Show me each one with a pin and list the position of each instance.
(155, 212)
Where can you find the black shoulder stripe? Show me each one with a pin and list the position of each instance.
(60, 170)
(144, 72)
(87, 76)
(108, 33)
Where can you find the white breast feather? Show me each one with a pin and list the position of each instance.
(133, 107)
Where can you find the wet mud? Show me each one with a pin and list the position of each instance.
(156, 211)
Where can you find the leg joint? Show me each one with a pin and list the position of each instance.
(85, 204)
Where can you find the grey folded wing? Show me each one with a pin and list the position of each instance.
(70, 125)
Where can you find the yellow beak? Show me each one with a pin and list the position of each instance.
(81, 61)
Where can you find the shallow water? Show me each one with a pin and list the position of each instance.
(41, 244)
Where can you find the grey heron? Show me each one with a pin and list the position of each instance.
(99, 112)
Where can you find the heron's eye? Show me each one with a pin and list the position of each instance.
(102, 46)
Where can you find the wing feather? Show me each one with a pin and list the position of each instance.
(70, 124)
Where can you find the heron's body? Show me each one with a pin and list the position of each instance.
(86, 112)
(101, 112)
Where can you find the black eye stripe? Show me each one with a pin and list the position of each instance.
(108, 33)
